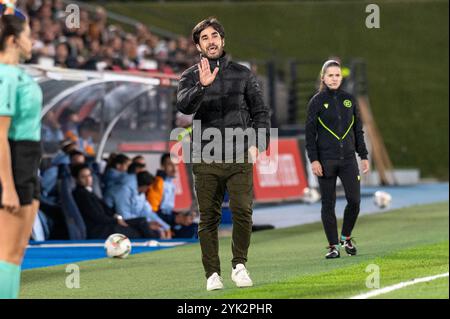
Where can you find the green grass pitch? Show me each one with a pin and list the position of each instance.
(284, 263)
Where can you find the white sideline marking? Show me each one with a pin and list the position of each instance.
(404, 284)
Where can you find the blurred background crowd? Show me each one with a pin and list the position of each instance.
(98, 45)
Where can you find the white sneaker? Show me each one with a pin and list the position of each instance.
(214, 282)
(241, 277)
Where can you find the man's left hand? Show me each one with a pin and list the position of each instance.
(253, 152)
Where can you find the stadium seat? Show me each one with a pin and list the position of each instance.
(46, 162)
(74, 221)
(96, 176)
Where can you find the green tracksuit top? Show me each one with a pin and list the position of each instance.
(20, 99)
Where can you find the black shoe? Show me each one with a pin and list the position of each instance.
(349, 246)
(333, 252)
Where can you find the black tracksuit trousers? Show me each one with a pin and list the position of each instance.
(348, 172)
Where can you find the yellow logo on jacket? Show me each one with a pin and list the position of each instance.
(347, 103)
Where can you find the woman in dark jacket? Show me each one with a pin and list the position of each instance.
(333, 134)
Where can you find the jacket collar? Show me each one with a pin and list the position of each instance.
(86, 188)
(221, 62)
(332, 92)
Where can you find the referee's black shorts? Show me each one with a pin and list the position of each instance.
(25, 160)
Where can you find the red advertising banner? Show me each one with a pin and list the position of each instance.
(183, 196)
(285, 179)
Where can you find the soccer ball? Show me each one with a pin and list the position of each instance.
(310, 195)
(118, 246)
(382, 199)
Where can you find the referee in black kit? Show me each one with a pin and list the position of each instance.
(333, 133)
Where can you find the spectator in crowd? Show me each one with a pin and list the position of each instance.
(139, 181)
(136, 168)
(67, 156)
(107, 164)
(69, 121)
(100, 220)
(139, 159)
(95, 45)
(51, 129)
(98, 25)
(84, 134)
(63, 58)
(130, 52)
(115, 171)
(95, 56)
(161, 196)
(89, 130)
(77, 157)
(67, 146)
(121, 194)
(144, 180)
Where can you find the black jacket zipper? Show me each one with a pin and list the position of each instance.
(338, 110)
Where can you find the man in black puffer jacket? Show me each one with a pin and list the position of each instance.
(231, 99)
(223, 95)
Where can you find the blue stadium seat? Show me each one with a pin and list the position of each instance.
(74, 221)
(96, 176)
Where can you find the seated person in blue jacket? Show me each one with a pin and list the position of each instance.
(144, 180)
(161, 196)
(117, 166)
(51, 129)
(121, 193)
(136, 168)
(100, 220)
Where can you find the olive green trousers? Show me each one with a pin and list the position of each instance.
(211, 181)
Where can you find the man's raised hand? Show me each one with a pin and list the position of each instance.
(204, 71)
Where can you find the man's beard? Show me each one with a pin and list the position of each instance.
(215, 54)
